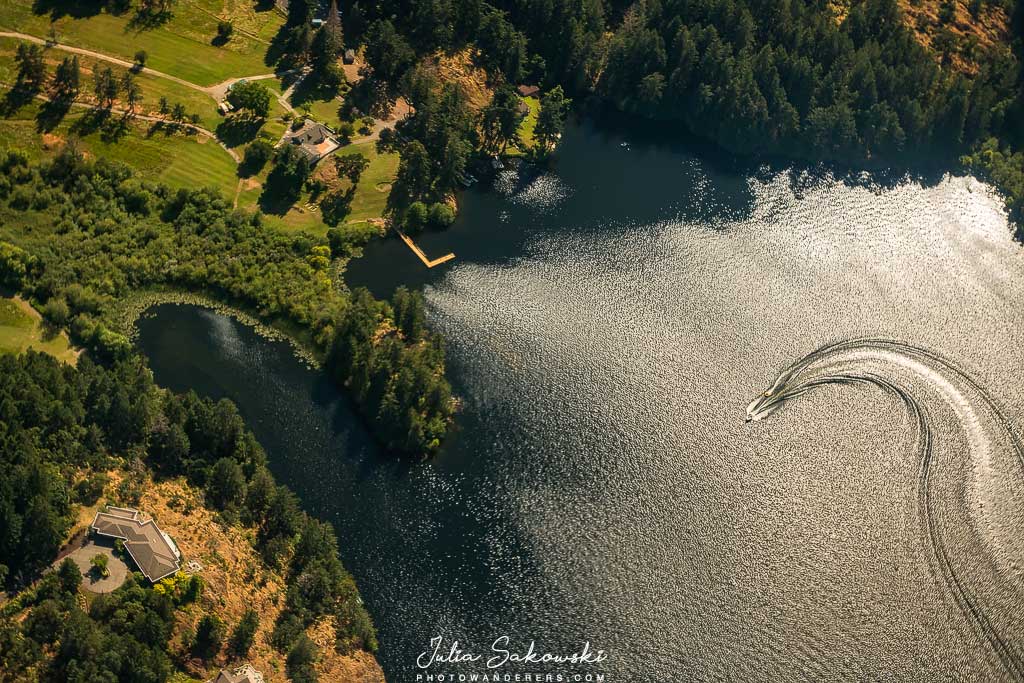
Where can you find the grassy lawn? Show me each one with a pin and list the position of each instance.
(182, 46)
(153, 87)
(368, 202)
(21, 328)
(322, 103)
(324, 111)
(372, 194)
(179, 160)
(528, 123)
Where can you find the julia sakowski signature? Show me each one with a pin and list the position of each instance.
(503, 655)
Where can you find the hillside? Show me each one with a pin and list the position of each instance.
(957, 30)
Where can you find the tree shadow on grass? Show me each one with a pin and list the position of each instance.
(111, 128)
(337, 205)
(15, 99)
(51, 113)
(277, 47)
(77, 9)
(238, 130)
(311, 90)
(147, 21)
(90, 122)
(279, 194)
(368, 97)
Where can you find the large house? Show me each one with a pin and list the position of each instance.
(315, 140)
(153, 551)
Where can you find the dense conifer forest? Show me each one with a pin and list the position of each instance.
(804, 79)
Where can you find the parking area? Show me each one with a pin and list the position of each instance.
(91, 580)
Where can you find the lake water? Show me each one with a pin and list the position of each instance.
(609, 323)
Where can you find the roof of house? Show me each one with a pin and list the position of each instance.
(528, 90)
(243, 674)
(151, 548)
(314, 139)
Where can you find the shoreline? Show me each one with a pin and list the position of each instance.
(132, 310)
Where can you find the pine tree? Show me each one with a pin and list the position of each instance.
(31, 68)
(66, 79)
(132, 91)
(326, 48)
(105, 86)
(553, 109)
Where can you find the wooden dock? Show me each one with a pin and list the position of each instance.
(423, 257)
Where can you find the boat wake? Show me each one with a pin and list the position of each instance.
(980, 552)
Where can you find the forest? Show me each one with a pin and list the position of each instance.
(802, 79)
(60, 427)
(81, 237)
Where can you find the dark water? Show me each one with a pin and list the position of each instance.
(609, 323)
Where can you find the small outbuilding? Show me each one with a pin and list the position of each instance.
(349, 57)
(528, 90)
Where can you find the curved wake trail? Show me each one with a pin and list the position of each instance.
(879, 362)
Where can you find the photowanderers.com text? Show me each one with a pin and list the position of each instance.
(494, 677)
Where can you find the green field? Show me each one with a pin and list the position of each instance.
(369, 201)
(372, 194)
(153, 87)
(179, 160)
(21, 328)
(182, 46)
(528, 123)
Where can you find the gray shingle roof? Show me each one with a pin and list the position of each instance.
(314, 139)
(148, 546)
(243, 674)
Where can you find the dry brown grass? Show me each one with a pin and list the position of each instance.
(459, 67)
(235, 578)
(990, 29)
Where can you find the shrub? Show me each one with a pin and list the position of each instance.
(346, 130)
(441, 216)
(244, 633)
(224, 31)
(89, 490)
(99, 564)
(209, 637)
(416, 217)
(256, 157)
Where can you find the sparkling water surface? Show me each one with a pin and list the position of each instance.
(608, 324)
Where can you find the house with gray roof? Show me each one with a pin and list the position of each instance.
(313, 139)
(243, 674)
(153, 551)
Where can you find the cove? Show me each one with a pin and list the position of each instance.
(609, 323)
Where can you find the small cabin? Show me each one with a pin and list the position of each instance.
(349, 57)
(528, 90)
